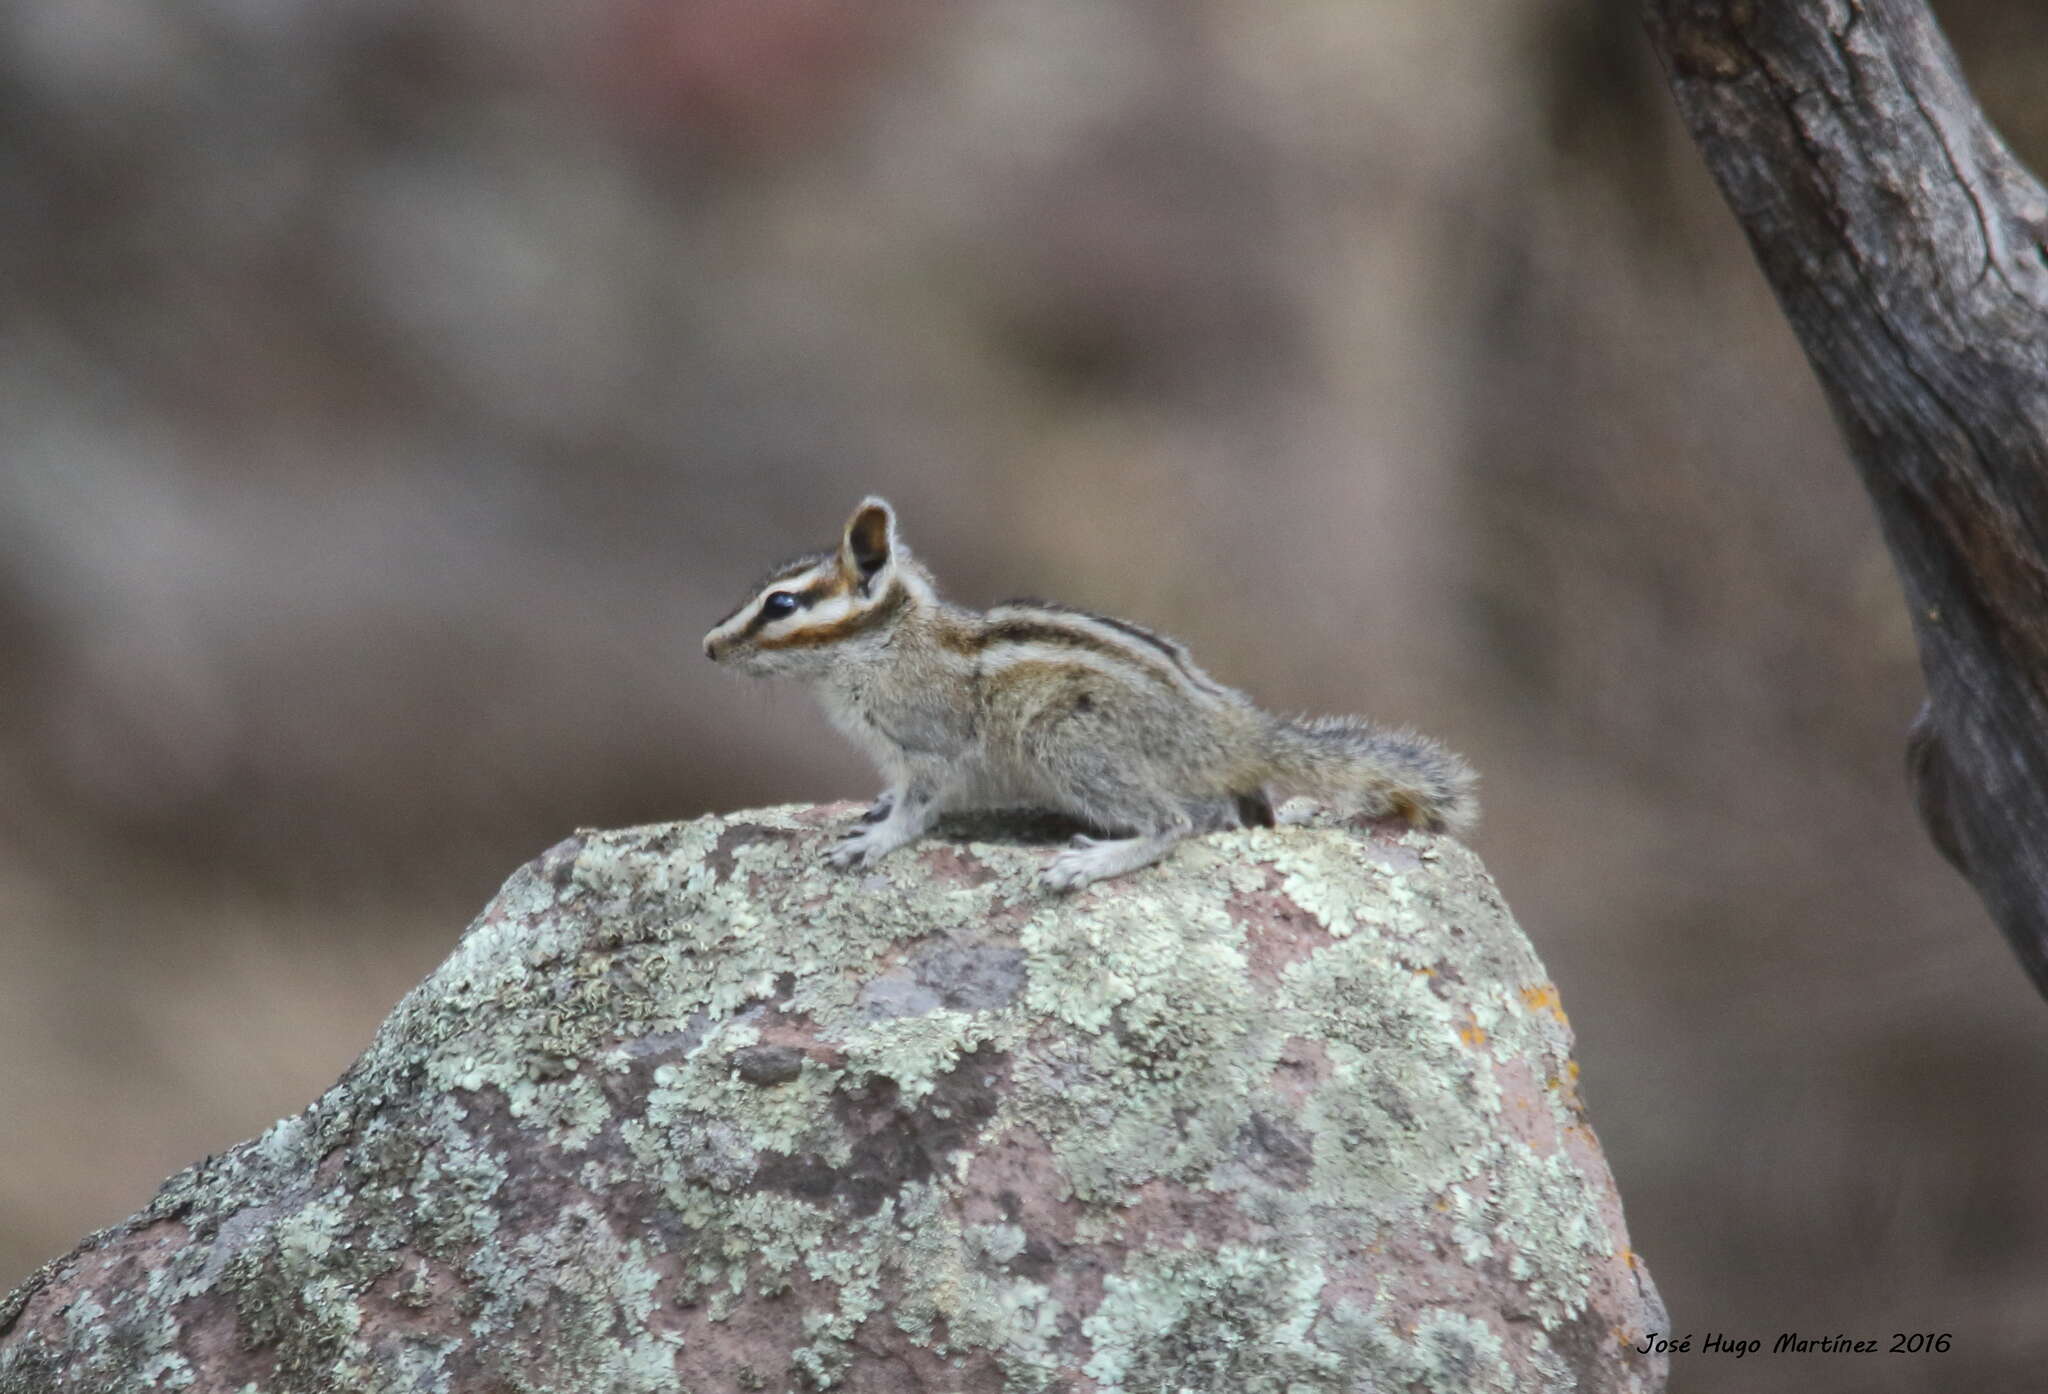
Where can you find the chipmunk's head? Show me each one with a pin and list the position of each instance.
(807, 613)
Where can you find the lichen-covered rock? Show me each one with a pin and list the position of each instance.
(1292, 1112)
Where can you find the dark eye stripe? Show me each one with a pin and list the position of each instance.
(886, 607)
(800, 600)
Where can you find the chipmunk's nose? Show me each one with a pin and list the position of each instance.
(711, 648)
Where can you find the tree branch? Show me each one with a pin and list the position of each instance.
(1906, 245)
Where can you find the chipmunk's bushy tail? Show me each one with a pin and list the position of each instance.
(1375, 769)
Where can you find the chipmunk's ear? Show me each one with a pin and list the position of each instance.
(870, 541)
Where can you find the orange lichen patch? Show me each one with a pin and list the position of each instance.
(1472, 1033)
(1545, 999)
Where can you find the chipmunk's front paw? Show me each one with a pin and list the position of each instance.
(865, 846)
(850, 851)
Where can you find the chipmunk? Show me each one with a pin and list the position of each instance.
(1031, 704)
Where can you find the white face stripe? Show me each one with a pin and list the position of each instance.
(829, 610)
(736, 627)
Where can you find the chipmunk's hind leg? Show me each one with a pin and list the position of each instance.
(1109, 798)
(1096, 859)
(1083, 747)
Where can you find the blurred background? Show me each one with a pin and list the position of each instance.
(391, 394)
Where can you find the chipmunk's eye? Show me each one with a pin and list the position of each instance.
(779, 604)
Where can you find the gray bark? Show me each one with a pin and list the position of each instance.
(1906, 245)
(685, 1111)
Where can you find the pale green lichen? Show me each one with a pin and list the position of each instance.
(1463, 1353)
(915, 1051)
(1410, 1113)
(1471, 1226)
(553, 1133)
(1547, 1218)
(1236, 1319)
(599, 1324)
